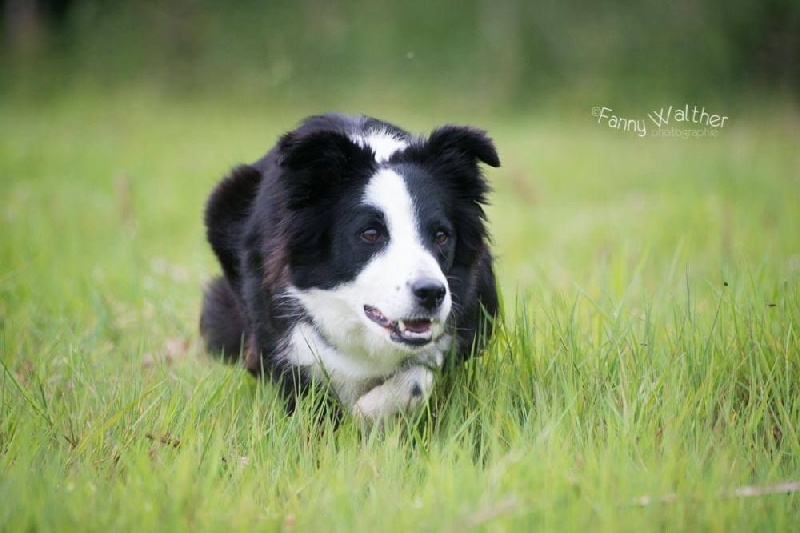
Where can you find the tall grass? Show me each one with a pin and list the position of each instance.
(650, 344)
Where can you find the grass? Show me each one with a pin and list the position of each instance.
(650, 346)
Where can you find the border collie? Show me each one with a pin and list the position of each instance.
(354, 255)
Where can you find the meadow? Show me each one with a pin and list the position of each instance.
(645, 376)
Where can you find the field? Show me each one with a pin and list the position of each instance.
(648, 364)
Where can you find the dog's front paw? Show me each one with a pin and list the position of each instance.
(403, 393)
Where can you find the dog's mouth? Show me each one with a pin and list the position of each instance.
(410, 331)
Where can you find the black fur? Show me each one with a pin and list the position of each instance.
(222, 323)
(273, 224)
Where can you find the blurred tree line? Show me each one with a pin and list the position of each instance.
(499, 51)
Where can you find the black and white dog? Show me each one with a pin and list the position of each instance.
(354, 255)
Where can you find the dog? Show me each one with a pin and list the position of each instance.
(355, 255)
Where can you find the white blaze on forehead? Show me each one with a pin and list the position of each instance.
(383, 143)
(405, 259)
(387, 192)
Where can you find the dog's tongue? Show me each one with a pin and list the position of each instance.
(417, 326)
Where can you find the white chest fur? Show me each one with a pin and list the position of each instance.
(368, 385)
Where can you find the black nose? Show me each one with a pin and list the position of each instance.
(429, 293)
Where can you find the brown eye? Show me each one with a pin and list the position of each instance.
(371, 235)
(440, 238)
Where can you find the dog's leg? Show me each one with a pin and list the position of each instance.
(404, 392)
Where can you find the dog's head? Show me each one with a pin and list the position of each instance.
(375, 227)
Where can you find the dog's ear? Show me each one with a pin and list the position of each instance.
(318, 161)
(462, 142)
(454, 153)
(227, 210)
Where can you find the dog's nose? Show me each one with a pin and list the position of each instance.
(429, 292)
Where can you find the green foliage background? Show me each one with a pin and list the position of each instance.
(496, 53)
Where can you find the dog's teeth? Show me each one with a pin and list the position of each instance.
(401, 325)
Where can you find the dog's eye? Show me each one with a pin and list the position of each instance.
(371, 235)
(440, 237)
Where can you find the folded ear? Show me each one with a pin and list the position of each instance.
(459, 142)
(318, 161)
(227, 210)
